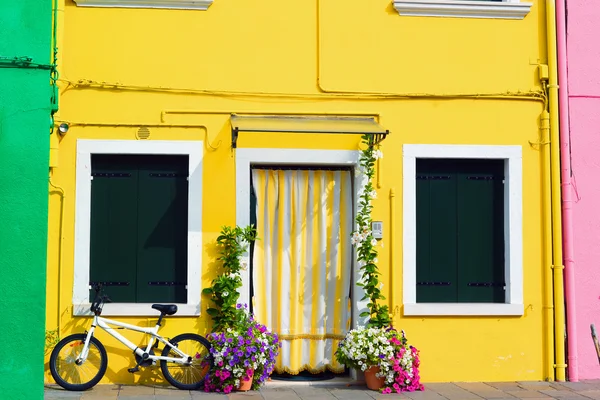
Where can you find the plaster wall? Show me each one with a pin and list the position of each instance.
(584, 106)
(278, 57)
(24, 133)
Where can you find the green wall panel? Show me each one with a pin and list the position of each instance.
(24, 149)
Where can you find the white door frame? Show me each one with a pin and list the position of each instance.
(246, 157)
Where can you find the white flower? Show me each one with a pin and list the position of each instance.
(375, 260)
(373, 242)
(377, 154)
(244, 261)
(225, 293)
(381, 285)
(381, 243)
(373, 194)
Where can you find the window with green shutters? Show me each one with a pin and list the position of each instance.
(460, 231)
(139, 227)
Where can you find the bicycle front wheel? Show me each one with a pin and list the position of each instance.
(188, 376)
(72, 374)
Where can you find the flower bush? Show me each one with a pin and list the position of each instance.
(245, 352)
(405, 375)
(233, 244)
(364, 241)
(398, 363)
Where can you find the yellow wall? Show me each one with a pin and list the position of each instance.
(271, 46)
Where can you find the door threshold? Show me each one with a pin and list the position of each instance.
(338, 381)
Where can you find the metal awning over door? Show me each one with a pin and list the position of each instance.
(306, 124)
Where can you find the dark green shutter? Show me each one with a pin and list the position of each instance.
(481, 231)
(162, 229)
(436, 233)
(460, 230)
(113, 226)
(139, 227)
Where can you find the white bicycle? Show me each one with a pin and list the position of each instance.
(79, 361)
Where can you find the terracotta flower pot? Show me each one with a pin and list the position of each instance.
(373, 382)
(246, 385)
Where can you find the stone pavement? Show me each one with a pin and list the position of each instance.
(344, 389)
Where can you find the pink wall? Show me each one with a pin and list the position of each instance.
(583, 49)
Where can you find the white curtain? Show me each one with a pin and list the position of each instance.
(302, 263)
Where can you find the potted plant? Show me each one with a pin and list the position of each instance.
(378, 350)
(404, 376)
(244, 356)
(383, 354)
(371, 350)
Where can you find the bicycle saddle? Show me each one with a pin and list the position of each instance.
(168, 309)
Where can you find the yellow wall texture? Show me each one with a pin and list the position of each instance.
(238, 56)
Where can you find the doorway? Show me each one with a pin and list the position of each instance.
(301, 268)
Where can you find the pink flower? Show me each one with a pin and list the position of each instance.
(387, 390)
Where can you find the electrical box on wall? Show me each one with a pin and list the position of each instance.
(377, 228)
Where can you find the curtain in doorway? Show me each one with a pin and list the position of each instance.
(302, 263)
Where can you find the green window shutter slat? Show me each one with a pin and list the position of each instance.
(162, 229)
(113, 226)
(481, 231)
(436, 232)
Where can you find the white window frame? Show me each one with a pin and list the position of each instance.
(246, 157)
(507, 9)
(172, 4)
(513, 228)
(83, 191)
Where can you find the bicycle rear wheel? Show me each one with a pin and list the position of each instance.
(189, 376)
(68, 372)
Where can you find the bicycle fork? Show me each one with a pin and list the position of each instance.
(86, 344)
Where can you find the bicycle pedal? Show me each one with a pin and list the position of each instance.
(133, 370)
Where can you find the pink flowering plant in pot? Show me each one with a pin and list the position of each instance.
(241, 353)
(404, 375)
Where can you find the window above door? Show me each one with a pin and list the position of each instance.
(498, 9)
(462, 240)
(173, 4)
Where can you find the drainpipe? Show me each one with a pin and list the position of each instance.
(557, 259)
(567, 190)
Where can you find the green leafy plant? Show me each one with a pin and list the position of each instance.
(233, 243)
(365, 243)
(51, 340)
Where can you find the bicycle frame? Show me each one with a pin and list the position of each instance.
(105, 323)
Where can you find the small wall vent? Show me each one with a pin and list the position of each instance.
(143, 133)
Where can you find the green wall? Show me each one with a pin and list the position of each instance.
(25, 30)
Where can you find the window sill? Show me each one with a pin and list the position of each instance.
(172, 4)
(462, 9)
(135, 310)
(457, 309)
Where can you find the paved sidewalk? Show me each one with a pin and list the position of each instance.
(342, 389)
